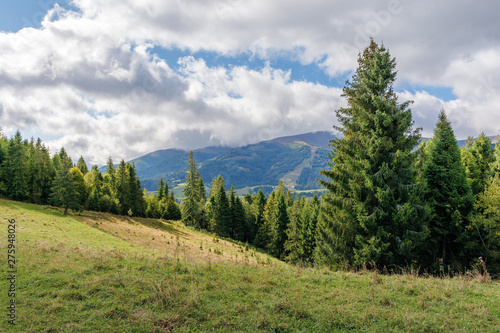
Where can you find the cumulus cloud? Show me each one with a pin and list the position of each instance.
(88, 79)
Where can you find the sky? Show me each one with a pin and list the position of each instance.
(122, 78)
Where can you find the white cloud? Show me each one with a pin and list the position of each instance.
(87, 80)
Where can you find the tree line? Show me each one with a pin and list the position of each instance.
(28, 173)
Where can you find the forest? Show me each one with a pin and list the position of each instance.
(391, 202)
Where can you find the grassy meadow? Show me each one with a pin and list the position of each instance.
(98, 272)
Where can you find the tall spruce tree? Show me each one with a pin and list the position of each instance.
(280, 225)
(123, 188)
(367, 216)
(82, 166)
(64, 192)
(449, 196)
(16, 169)
(193, 207)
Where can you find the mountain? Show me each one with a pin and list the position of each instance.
(296, 159)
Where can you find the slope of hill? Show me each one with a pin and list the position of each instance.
(296, 159)
(104, 273)
(265, 163)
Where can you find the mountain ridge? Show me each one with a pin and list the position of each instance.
(296, 159)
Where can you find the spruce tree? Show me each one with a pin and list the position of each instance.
(64, 191)
(449, 196)
(238, 222)
(280, 225)
(367, 216)
(159, 192)
(258, 205)
(82, 166)
(137, 202)
(123, 188)
(193, 212)
(16, 171)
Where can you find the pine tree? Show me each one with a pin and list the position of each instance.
(371, 173)
(123, 188)
(137, 202)
(308, 232)
(238, 222)
(219, 210)
(279, 236)
(258, 204)
(159, 193)
(64, 191)
(16, 169)
(293, 244)
(265, 229)
(192, 208)
(82, 166)
(449, 196)
(111, 171)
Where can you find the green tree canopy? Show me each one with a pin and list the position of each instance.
(371, 175)
(448, 194)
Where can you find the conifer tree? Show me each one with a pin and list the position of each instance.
(293, 248)
(193, 212)
(237, 216)
(137, 202)
(64, 191)
(15, 169)
(280, 225)
(308, 232)
(41, 172)
(219, 210)
(367, 216)
(123, 193)
(258, 204)
(82, 166)
(161, 187)
(265, 229)
(449, 196)
(111, 171)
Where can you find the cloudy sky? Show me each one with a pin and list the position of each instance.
(121, 78)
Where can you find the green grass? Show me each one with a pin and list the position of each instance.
(102, 273)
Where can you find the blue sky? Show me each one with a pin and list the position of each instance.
(123, 78)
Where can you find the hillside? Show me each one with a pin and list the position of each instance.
(97, 272)
(295, 159)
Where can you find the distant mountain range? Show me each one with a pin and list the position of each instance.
(296, 159)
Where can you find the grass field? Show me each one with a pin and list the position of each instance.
(102, 273)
